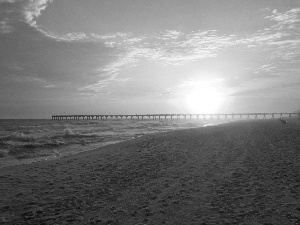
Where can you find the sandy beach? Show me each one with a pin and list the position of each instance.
(244, 172)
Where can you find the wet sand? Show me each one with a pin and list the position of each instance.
(237, 173)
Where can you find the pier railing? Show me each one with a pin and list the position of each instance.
(178, 116)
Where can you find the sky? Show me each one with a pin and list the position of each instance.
(148, 56)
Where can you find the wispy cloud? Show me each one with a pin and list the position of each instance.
(32, 79)
(171, 47)
(165, 93)
(176, 48)
(16, 11)
(87, 63)
(168, 48)
(30, 54)
(281, 40)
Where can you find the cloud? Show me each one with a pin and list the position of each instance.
(176, 48)
(171, 47)
(168, 48)
(277, 46)
(109, 73)
(87, 63)
(40, 59)
(288, 19)
(166, 92)
(21, 11)
(277, 49)
(282, 36)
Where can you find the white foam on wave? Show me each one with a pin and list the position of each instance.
(70, 134)
(19, 137)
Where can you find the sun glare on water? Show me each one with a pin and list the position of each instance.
(204, 99)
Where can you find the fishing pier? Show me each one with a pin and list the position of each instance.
(231, 116)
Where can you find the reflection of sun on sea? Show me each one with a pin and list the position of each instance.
(203, 99)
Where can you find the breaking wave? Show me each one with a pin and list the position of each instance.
(70, 134)
(19, 137)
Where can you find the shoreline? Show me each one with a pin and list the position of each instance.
(236, 173)
(17, 162)
(10, 161)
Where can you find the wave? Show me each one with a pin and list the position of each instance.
(70, 134)
(56, 143)
(31, 150)
(3, 153)
(19, 137)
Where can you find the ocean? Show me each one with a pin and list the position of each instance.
(28, 141)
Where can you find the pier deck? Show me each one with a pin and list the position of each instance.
(177, 116)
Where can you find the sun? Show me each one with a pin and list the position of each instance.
(203, 99)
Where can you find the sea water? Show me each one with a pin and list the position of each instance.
(28, 141)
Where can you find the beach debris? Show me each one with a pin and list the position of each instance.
(283, 121)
